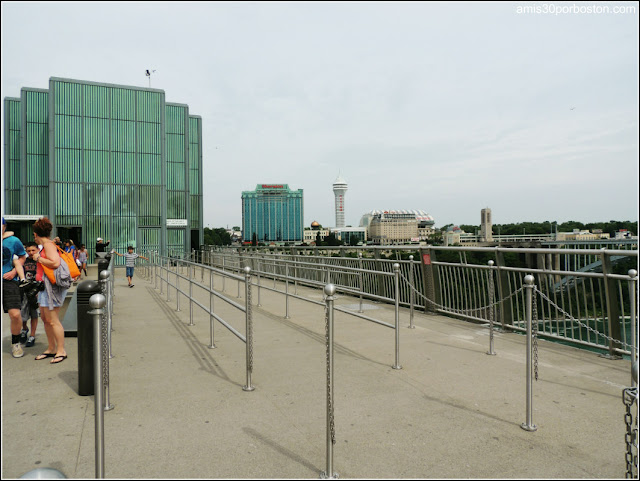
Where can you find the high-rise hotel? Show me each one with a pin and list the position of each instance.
(103, 160)
(274, 213)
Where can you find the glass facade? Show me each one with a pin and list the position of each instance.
(273, 213)
(107, 161)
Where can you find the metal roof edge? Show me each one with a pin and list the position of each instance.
(176, 104)
(33, 89)
(13, 98)
(102, 84)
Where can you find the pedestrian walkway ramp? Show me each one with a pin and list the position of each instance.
(452, 411)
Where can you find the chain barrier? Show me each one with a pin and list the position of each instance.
(250, 329)
(589, 328)
(534, 322)
(105, 347)
(465, 311)
(329, 393)
(629, 399)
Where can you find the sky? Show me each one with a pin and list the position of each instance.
(528, 108)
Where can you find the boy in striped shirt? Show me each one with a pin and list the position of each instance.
(130, 262)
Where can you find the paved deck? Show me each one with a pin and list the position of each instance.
(180, 411)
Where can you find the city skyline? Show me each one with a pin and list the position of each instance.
(446, 107)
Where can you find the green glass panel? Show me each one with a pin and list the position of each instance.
(148, 240)
(37, 138)
(96, 166)
(37, 201)
(123, 104)
(175, 176)
(149, 138)
(68, 167)
(123, 136)
(96, 101)
(175, 148)
(68, 203)
(175, 119)
(123, 201)
(97, 196)
(68, 131)
(13, 145)
(123, 168)
(150, 106)
(67, 98)
(124, 234)
(12, 202)
(176, 205)
(195, 211)
(149, 169)
(96, 134)
(94, 227)
(37, 170)
(37, 107)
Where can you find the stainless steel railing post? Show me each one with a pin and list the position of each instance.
(97, 302)
(360, 280)
(396, 272)
(633, 275)
(329, 291)
(286, 291)
(258, 262)
(223, 275)
(191, 295)
(168, 268)
(248, 328)
(492, 311)
(529, 287)
(211, 318)
(411, 294)
(177, 285)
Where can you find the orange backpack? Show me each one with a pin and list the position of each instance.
(71, 263)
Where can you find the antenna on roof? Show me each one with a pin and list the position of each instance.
(148, 74)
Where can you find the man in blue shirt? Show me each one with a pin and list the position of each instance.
(11, 297)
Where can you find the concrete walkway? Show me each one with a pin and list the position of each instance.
(452, 411)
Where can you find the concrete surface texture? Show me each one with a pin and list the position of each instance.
(452, 411)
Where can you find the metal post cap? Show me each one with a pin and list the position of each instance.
(97, 301)
(43, 473)
(247, 270)
(633, 273)
(104, 275)
(490, 263)
(529, 279)
(396, 266)
(410, 258)
(330, 289)
(359, 254)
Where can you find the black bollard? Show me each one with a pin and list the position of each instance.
(103, 265)
(85, 289)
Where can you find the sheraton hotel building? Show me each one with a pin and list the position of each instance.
(103, 160)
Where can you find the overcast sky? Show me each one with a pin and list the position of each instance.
(444, 107)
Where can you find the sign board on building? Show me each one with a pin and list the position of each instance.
(426, 259)
(177, 223)
(268, 186)
(22, 217)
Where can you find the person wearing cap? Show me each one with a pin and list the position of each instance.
(11, 296)
(101, 246)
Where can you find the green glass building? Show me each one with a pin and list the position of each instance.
(103, 160)
(273, 213)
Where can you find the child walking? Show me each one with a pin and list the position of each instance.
(130, 262)
(82, 258)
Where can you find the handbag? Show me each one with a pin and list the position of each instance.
(71, 264)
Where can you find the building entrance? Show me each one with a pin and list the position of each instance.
(71, 232)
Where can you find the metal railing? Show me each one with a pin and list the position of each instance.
(597, 297)
(169, 272)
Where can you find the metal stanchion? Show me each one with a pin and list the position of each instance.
(491, 351)
(411, 294)
(177, 285)
(258, 261)
(396, 271)
(360, 280)
(191, 295)
(211, 318)
(223, 275)
(286, 291)
(329, 291)
(633, 275)
(529, 287)
(97, 302)
(248, 327)
(168, 269)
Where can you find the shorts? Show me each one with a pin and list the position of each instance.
(129, 271)
(11, 297)
(44, 301)
(27, 311)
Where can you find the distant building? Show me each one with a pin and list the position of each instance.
(339, 190)
(274, 213)
(346, 234)
(486, 225)
(424, 221)
(315, 233)
(388, 228)
(581, 235)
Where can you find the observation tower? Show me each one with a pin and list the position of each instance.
(339, 189)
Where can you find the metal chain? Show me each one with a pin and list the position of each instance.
(493, 304)
(534, 321)
(250, 328)
(629, 398)
(329, 393)
(589, 328)
(105, 348)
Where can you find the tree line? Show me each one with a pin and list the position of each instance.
(610, 227)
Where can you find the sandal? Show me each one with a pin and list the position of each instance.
(62, 358)
(45, 355)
